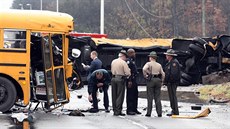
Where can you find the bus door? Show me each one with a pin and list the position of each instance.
(53, 69)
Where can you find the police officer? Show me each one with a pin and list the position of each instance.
(132, 89)
(155, 75)
(120, 72)
(99, 79)
(172, 79)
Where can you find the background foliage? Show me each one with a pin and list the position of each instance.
(143, 18)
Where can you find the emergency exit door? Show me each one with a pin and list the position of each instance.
(53, 69)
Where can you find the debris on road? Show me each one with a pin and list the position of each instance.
(76, 113)
(204, 113)
(196, 107)
(20, 117)
(213, 100)
(217, 77)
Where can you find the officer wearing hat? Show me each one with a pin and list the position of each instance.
(172, 79)
(132, 89)
(154, 74)
(120, 73)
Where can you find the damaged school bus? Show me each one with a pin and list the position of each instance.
(31, 64)
(108, 50)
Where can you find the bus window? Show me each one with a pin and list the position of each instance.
(14, 38)
(57, 49)
(60, 89)
(50, 87)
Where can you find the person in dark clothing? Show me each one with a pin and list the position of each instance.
(132, 89)
(99, 79)
(172, 79)
(95, 64)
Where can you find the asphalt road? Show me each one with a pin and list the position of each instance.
(217, 119)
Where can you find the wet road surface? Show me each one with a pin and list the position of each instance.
(218, 119)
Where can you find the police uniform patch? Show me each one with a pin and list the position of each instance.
(174, 64)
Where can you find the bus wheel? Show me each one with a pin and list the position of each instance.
(7, 94)
(184, 82)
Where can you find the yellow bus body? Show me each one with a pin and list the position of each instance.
(15, 63)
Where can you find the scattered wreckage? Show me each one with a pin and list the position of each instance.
(198, 57)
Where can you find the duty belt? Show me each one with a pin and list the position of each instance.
(119, 76)
(156, 75)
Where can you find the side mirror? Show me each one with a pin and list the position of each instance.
(76, 53)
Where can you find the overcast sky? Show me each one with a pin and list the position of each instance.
(5, 4)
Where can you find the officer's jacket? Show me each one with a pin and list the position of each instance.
(120, 67)
(153, 68)
(133, 68)
(93, 81)
(172, 71)
(95, 64)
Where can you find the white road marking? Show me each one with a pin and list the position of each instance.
(135, 123)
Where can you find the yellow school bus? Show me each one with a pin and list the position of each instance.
(33, 57)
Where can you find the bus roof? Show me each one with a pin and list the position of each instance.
(137, 43)
(36, 20)
(92, 35)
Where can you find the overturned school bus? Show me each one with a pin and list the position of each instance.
(108, 50)
(197, 56)
(32, 67)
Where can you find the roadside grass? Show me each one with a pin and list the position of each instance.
(217, 92)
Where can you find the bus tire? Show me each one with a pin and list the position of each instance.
(228, 48)
(189, 63)
(184, 82)
(7, 94)
(187, 77)
(196, 48)
(199, 41)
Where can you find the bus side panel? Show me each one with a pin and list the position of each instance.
(65, 60)
(16, 64)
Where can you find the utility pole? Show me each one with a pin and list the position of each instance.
(41, 4)
(203, 18)
(57, 5)
(102, 17)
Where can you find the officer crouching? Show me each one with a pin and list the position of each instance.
(155, 75)
(99, 79)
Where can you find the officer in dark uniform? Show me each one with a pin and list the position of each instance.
(132, 89)
(172, 79)
(99, 79)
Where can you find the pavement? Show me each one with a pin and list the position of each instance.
(59, 119)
